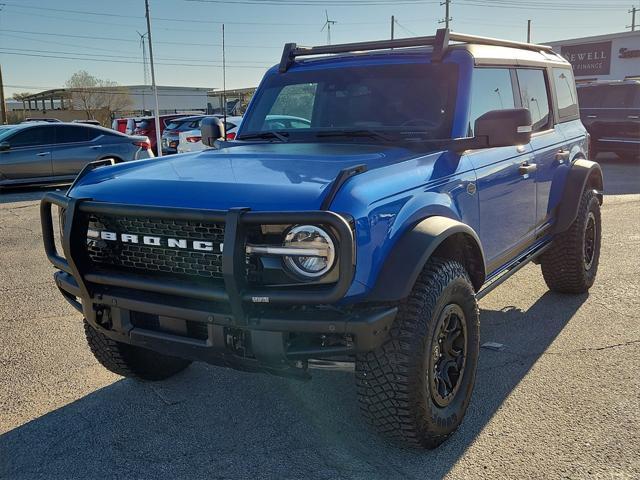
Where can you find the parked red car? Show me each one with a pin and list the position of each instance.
(147, 126)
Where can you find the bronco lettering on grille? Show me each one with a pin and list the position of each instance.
(178, 243)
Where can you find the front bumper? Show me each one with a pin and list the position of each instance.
(234, 324)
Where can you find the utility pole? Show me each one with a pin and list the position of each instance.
(633, 19)
(153, 80)
(447, 16)
(393, 24)
(3, 106)
(528, 31)
(224, 86)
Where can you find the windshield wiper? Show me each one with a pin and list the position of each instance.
(356, 134)
(282, 136)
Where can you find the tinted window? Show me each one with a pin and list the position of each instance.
(73, 134)
(533, 92)
(636, 97)
(409, 99)
(565, 92)
(491, 89)
(589, 97)
(616, 96)
(32, 136)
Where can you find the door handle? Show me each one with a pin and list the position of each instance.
(592, 116)
(562, 155)
(526, 168)
(633, 117)
(43, 154)
(94, 147)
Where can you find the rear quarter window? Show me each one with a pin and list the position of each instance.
(566, 96)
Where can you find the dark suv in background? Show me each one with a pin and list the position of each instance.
(611, 113)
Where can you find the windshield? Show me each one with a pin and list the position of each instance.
(406, 99)
(6, 130)
(184, 124)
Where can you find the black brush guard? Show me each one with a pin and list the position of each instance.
(109, 299)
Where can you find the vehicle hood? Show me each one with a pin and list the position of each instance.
(265, 177)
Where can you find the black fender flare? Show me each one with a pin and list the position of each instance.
(412, 251)
(581, 174)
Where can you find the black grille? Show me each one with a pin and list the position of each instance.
(158, 259)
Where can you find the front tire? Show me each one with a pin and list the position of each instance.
(130, 361)
(416, 387)
(571, 264)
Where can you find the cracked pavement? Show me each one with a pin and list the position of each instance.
(560, 400)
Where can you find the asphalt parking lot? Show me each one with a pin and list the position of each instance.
(561, 400)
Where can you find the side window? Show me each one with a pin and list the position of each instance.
(31, 137)
(565, 93)
(617, 96)
(590, 97)
(491, 89)
(71, 134)
(533, 92)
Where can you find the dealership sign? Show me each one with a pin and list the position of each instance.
(589, 58)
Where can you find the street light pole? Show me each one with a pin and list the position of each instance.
(153, 80)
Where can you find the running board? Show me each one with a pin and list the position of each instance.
(506, 274)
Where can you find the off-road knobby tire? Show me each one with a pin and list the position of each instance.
(130, 361)
(392, 381)
(563, 265)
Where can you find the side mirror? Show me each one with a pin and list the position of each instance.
(211, 129)
(4, 146)
(502, 128)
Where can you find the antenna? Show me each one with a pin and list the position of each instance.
(327, 25)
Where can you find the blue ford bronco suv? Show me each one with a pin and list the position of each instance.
(374, 193)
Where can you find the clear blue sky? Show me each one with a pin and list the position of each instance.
(34, 31)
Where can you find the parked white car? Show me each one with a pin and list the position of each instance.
(191, 140)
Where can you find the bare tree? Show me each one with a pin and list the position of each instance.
(20, 97)
(98, 98)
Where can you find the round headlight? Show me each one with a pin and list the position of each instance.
(312, 239)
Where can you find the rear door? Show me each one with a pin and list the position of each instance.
(549, 146)
(30, 153)
(507, 197)
(74, 149)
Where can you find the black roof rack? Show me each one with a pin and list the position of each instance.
(439, 42)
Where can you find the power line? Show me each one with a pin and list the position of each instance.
(92, 55)
(129, 40)
(202, 65)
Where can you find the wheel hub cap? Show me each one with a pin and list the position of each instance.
(589, 241)
(448, 355)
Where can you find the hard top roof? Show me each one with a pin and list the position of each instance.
(484, 50)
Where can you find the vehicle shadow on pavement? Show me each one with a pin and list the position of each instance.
(14, 195)
(218, 423)
(621, 175)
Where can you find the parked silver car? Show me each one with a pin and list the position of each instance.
(38, 153)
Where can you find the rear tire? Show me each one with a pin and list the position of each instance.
(130, 361)
(571, 264)
(416, 387)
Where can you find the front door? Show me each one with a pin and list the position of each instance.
(506, 185)
(29, 155)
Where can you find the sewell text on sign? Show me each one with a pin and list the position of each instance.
(589, 58)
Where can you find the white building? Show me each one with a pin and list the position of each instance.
(170, 99)
(604, 57)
